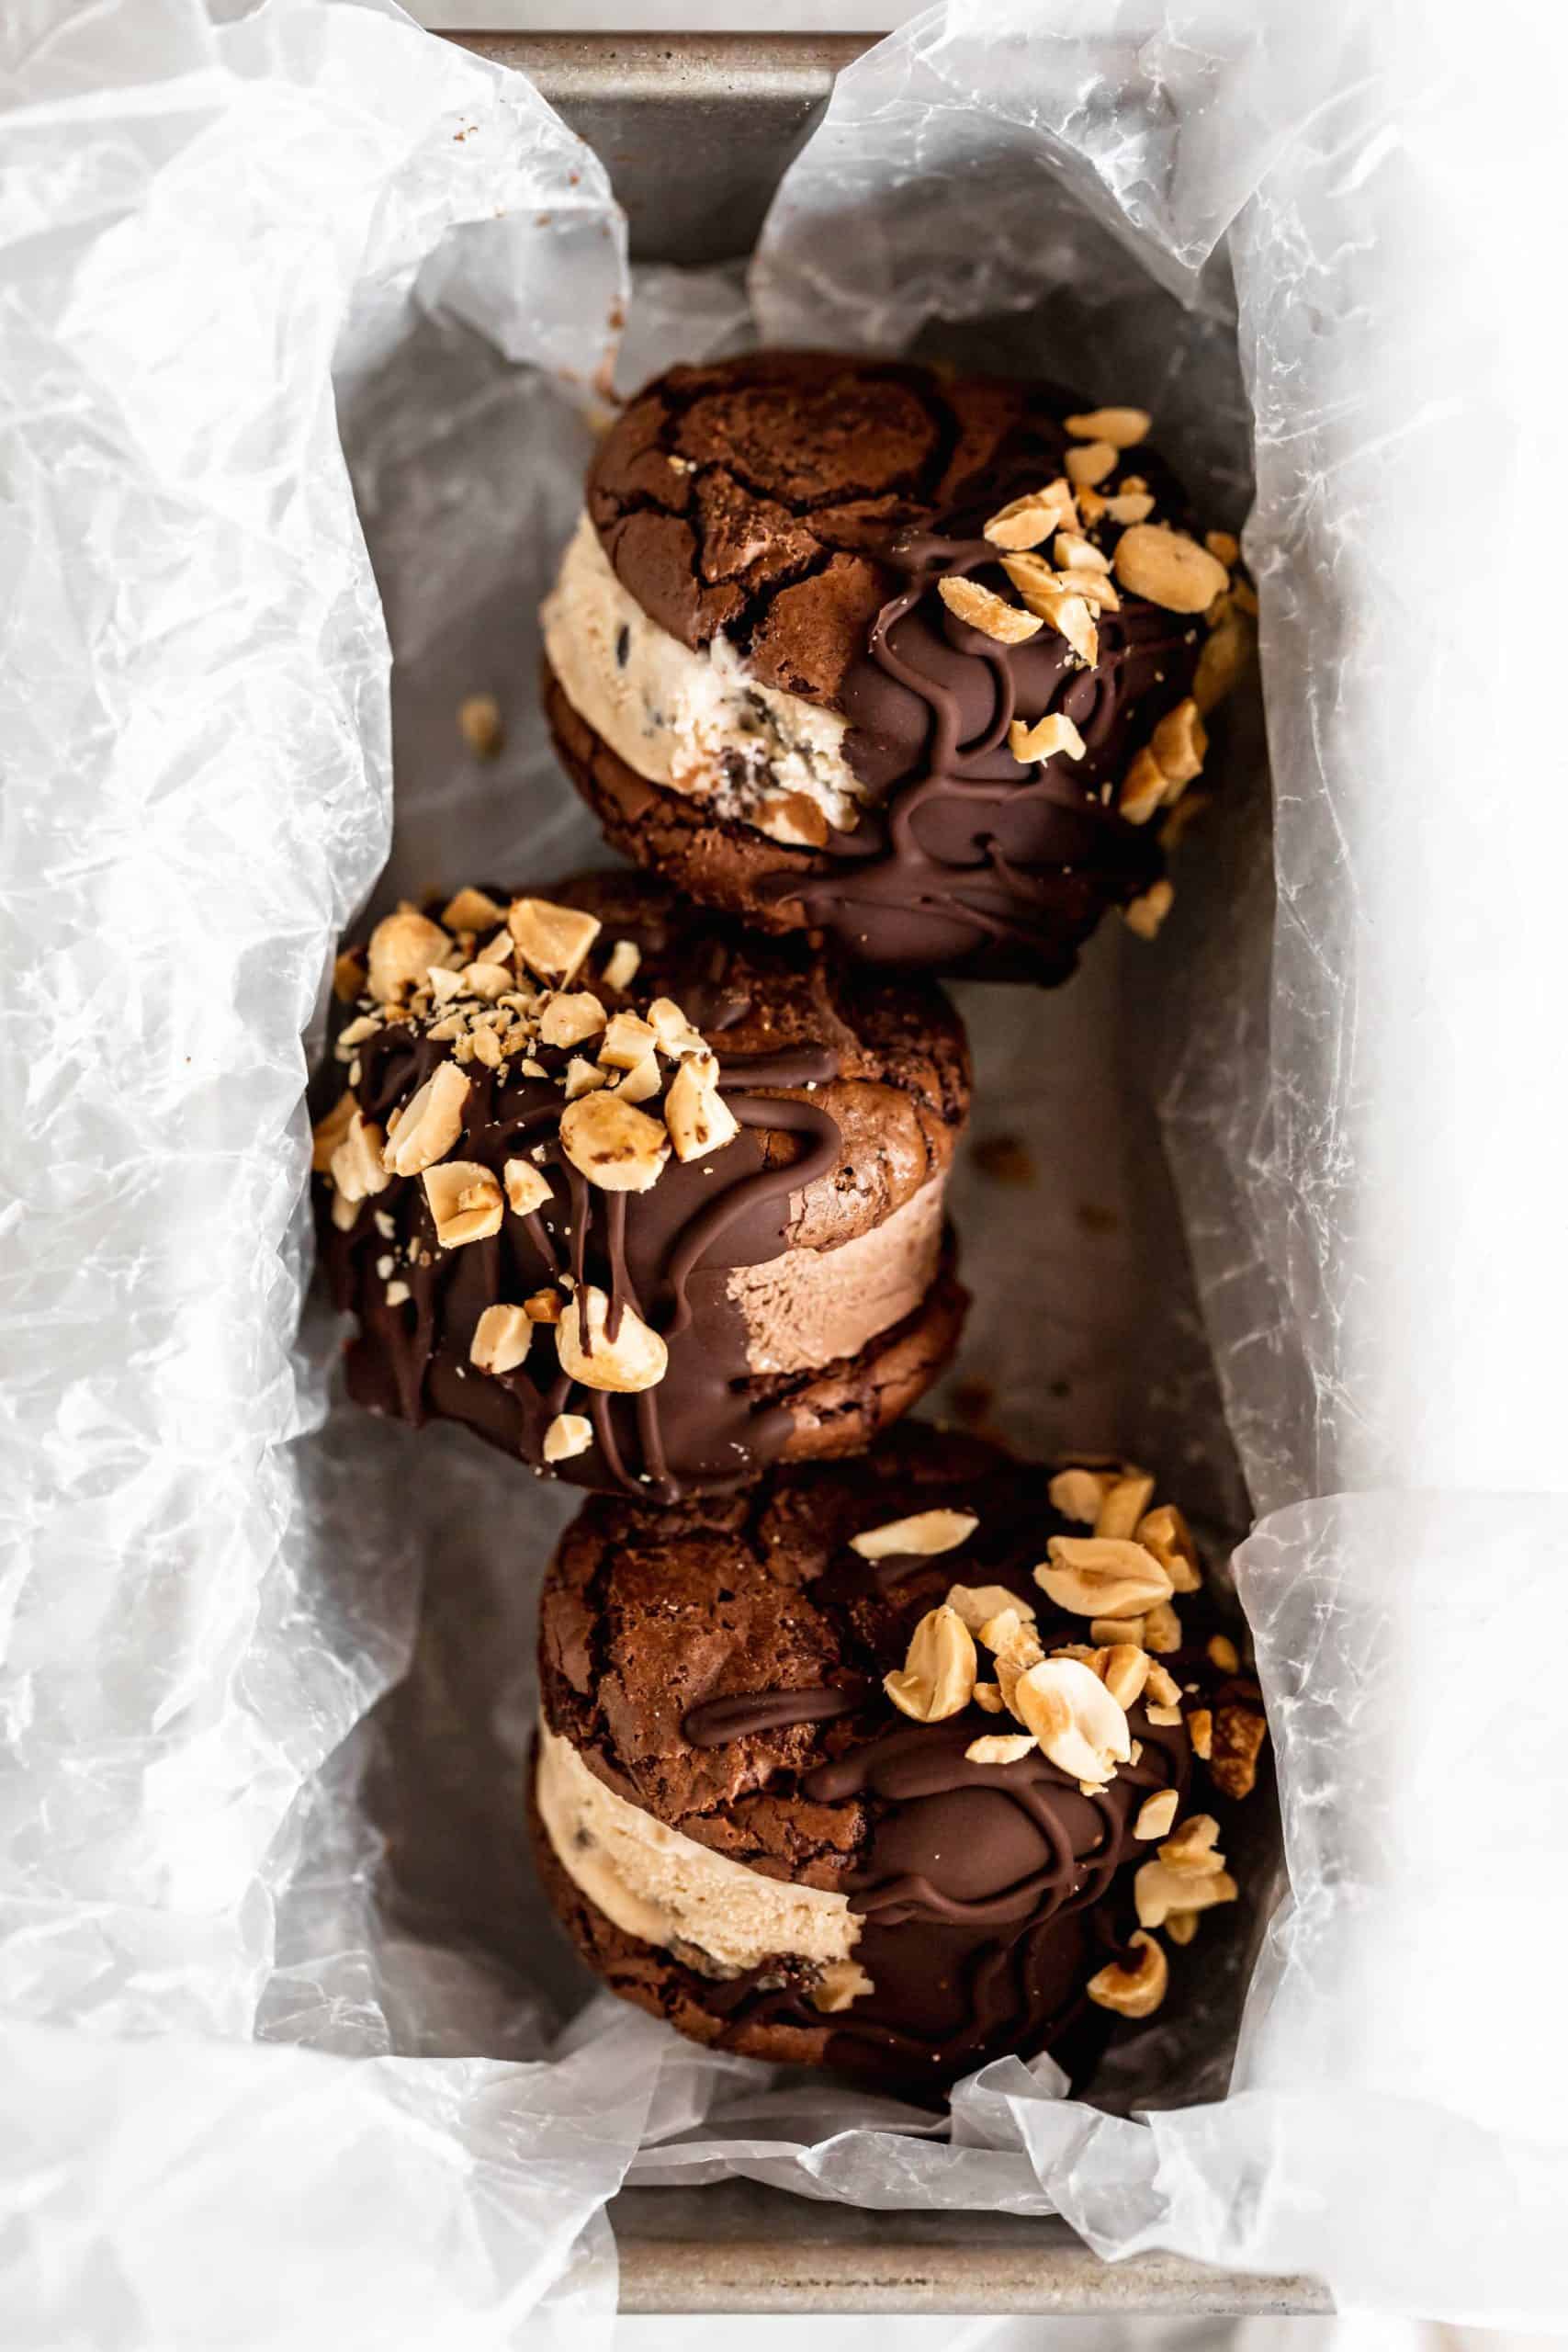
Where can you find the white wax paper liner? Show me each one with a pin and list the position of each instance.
(194, 216)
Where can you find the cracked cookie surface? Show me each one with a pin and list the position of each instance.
(817, 529)
(722, 1671)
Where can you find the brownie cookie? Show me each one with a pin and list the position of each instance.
(892, 1765)
(640, 1200)
(920, 660)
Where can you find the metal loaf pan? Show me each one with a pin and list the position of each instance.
(696, 131)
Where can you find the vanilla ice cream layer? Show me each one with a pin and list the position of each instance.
(697, 722)
(811, 1307)
(665, 1889)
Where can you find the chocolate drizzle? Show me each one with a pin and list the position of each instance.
(989, 1892)
(779, 1022)
(744, 1714)
(1004, 1870)
(967, 854)
(804, 506)
(647, 1250)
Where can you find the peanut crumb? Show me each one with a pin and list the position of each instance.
(478, 723)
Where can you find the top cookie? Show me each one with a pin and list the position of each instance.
(920, 660)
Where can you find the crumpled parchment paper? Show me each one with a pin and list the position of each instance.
(1363, 1133)
(272, 1975)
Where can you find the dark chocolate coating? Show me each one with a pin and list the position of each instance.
(715, 1722)
(971, 860)
(990, 1892)
(812, 504)
(849, 1092)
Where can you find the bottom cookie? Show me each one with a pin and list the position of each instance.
(825, 1774)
